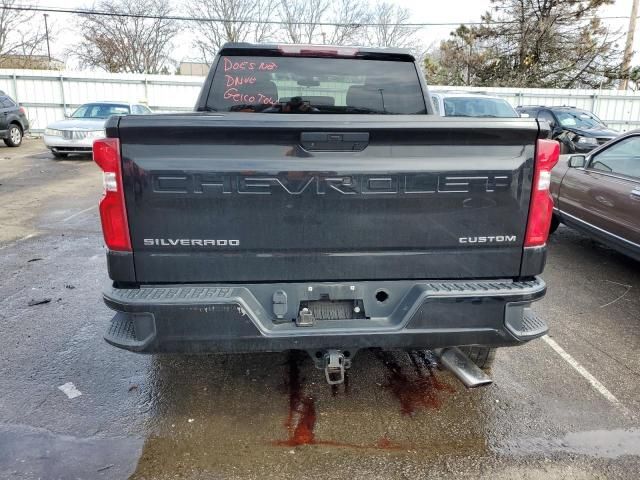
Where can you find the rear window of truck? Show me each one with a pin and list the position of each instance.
(315, 85)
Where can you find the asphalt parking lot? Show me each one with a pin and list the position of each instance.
(567, 406)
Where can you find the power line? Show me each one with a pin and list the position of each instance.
(87, 11)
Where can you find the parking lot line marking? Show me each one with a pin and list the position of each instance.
(599, 387)
(21, 239)
(79, 213)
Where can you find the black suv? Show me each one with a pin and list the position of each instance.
(578, 131)
(13, 121)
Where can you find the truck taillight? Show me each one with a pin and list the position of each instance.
(113, 212)
(541, 207)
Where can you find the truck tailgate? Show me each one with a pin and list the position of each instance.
(252, 198)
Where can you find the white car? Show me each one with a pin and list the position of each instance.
(76, 133)
(469, 104)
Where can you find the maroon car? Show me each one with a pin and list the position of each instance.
(599, 193)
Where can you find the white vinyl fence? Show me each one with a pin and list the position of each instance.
(620, 110)
(47, 95)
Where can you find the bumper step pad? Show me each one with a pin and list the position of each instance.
(122, 331)
(528, 326)
(206, 294)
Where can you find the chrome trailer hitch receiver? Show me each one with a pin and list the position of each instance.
(334, 362)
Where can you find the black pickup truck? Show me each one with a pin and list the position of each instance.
(314, 201)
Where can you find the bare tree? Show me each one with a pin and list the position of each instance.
(236, 24)
(261, 31)
(389, 29)
(350, 17)
(127, 44)
(22, 35)
(301, 19)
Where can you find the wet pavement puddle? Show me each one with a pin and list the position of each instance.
(594, 443)
(423, 390)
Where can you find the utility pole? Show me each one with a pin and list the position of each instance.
(628, 48)
(46, 33)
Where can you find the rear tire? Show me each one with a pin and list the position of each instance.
(483, 357)
(15, 136)
(59, 155)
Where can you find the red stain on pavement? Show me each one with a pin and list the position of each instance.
(301, 418)
(385, 444)
(302, 432)
(413, 392)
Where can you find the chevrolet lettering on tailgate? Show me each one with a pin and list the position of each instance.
(321, 184)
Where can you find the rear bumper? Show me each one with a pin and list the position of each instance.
(234, 318)
(61, 145)
(72, 150)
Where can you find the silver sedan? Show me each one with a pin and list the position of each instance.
(76, 133)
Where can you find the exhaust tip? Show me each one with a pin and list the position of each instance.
(463, 367)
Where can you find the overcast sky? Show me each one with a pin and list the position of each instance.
(458, 11)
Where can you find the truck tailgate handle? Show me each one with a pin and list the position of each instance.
(334, 141)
